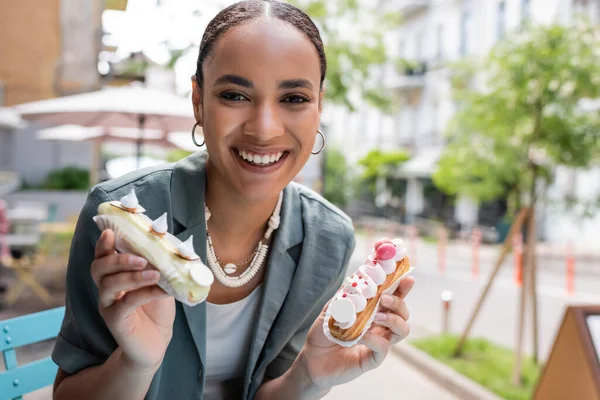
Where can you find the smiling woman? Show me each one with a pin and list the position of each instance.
(278, 250)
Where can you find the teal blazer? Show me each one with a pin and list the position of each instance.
(307, 264)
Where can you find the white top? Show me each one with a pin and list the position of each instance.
(228, 333)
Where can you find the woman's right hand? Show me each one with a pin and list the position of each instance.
(139, 314)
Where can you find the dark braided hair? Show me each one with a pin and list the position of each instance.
(248, 10)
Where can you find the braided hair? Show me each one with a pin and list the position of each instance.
(249, 10)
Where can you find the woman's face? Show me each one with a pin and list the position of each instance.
(260, 106)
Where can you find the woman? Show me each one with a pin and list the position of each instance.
(257, 95)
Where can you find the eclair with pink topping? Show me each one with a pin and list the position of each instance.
(351, 311)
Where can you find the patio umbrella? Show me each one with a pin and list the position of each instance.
(99, 135)
(131, 106)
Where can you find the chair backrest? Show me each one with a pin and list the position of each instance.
(21, 331)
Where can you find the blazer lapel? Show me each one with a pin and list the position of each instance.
(187, 197)
(281, 268)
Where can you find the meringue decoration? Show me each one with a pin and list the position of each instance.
(369, 287)
(160, 226)
(201, 275)
(400, 249)
(130, 201)
(343, 312)
(376, 272)
(186, 249)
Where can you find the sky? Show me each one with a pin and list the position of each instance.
(152, 29)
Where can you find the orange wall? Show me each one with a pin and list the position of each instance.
(30, 49)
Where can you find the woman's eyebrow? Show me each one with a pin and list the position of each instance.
(286, 84)
(234, 79)
(296, 83)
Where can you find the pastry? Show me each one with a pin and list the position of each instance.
(351, 311)
(182, 274)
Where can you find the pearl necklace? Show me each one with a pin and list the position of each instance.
(259, 254)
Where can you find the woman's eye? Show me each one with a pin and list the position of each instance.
(232, 96)
(295, 99)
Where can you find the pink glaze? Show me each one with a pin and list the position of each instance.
(386, 251)
(382, 241)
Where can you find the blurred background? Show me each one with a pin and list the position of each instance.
(448, 123)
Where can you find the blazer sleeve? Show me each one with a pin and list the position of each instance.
(291, 350)
(84, 339)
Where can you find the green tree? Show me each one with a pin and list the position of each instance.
(520, 116)
(378, 166)
(352, 32)
(526, 119)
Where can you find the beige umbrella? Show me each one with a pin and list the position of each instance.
(132, 106)
(99, 135)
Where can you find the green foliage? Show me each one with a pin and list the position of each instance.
(378, 164)
(336, 178)
(521, 117)
(353, 36)
(488, 364)
(177, 154)
(68, 178)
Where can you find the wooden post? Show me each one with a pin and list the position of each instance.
(516, 226)
(532, 263)
(523, 298)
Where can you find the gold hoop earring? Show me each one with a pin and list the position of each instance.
(322, 146)
(194, 136)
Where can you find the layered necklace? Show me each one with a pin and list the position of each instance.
(257, 258)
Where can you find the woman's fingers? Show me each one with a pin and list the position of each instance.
(115, 263)
(378, 346)
(396, 305)
(134, 299)
(405, 287)
(397, 325)
(111, 287)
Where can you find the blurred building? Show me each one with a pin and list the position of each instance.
(432, 34)
(48, 48)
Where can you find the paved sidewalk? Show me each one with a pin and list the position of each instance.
(394, 379)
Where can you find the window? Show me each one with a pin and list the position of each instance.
(525, 10)
(464, 34)
(501, 19)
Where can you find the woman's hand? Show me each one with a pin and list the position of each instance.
(139, 314)
(328, 364)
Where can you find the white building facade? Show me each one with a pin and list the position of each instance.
(432, 34)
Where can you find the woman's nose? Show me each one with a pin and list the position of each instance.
(265, 122)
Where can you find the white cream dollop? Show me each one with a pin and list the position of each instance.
(160, 225)
(130, 201)
(342, 311)
(375, 271)
(186, 248)
(400, 249)
(201, 275)
(389, 266)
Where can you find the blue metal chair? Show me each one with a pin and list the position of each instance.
(21, 331)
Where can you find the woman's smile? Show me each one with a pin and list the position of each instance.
(264, 161)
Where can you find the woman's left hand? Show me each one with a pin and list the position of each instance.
(329, 364)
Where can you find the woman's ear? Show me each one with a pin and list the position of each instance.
(197, 100)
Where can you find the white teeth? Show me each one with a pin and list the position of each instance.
(259, 159)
